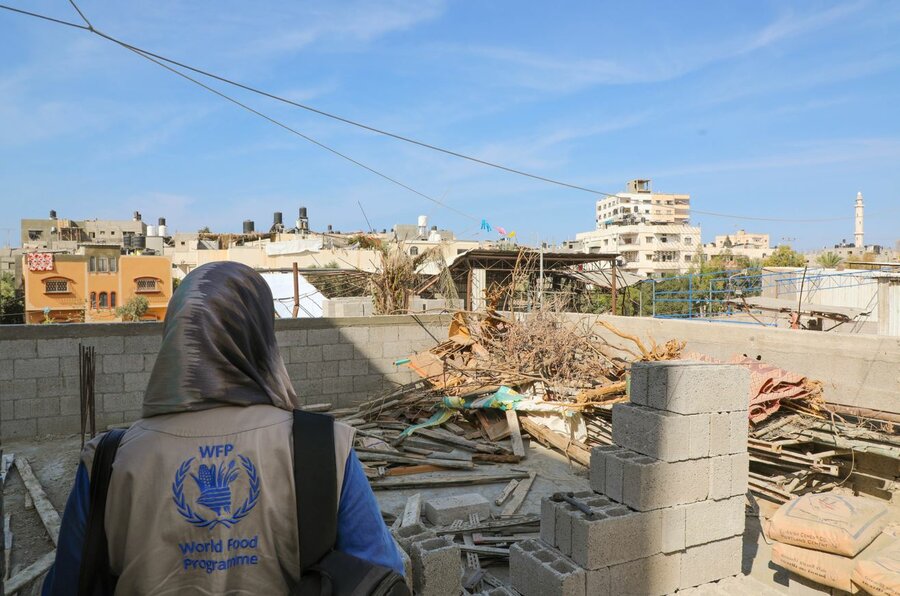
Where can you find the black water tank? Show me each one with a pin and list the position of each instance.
(276, 218)
(248, 226)
(162, 221)
(52, 214)
(302, 212)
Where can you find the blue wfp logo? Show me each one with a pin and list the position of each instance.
(214, 482)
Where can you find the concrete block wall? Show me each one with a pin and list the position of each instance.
(666, 510)
(338, 360)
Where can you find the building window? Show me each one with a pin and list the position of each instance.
(101, 264)
(113, 264)
(413, 251)
(688, 240)
(93, 300)
(56, 286)
(146, 284)
(650, 239)
(92, 264)
(112, 299)
(664, 239)
(104, 300)
(35, 234)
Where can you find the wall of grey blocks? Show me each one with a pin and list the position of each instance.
(340, 361)
(667, 499)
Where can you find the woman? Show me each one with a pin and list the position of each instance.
(201, 499)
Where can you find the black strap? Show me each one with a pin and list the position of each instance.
(94, 575)
(315, 483)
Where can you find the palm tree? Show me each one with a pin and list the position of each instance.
(829, 260)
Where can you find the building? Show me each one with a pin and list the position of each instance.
(56, 233)
(650, 230)
(89, 285)
(742, 239)
(639, 204)
(740, 245)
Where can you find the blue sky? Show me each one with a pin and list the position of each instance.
(763, 109)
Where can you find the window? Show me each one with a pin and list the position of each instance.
(56, 286)
(664, 239)
(112, 299)
(101, 265)
(92, 264)
(649, 239)
(93, 300)
(413, 251)
(688, 240)
(35, 234)
(146, 284)
(104, 301)
(113, 264)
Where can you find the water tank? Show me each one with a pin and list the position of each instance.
(138, 242)
(162, 230)
(249, 227)
(423, 225)
(137, 216)
(330, 229)
(52, 214)
(151, 230)
(302, 212)
(161, 221)
(276, 218)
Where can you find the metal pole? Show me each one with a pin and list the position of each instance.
(654, 297)
(640, 300)
(612, 286)
(296, 291)
(541, 279)
(690, 295)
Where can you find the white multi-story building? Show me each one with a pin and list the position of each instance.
(650, 230)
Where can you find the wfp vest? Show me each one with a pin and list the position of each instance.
(203, 502)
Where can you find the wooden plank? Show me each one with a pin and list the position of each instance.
(5, 463)
(48, 513)
(391, 458)
(573, 449)
(484, 550)
(507, 491)
(493, 424)
(515, 434)
(493, 525)
(320, 407)
(30, 573)
(519, 495)
(7, 546)
(456, 479)
(407, 470)
(413, 510)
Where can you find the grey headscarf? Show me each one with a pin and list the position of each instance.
(219, 345)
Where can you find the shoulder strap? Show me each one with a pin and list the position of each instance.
(95, 552)
(315, 484)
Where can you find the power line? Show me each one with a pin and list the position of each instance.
(159, 59)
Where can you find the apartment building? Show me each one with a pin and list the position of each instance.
(639, 204)
(88, 286)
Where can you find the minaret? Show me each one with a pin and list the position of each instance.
(858, 233)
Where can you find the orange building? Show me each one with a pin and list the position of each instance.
(88, 287)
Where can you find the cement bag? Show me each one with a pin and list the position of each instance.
(880, 575)
(830, 522)
(824, 568)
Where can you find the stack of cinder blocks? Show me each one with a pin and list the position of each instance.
(436, 568)
(667, 505)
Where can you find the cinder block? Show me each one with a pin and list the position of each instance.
(381, 334)
(358, 336)
(290, 338)
(17, 429)
(654, 575)
(548, 521)
(537, 570)
(6, 370)
(351, 368)
(711, 562)
(689, 387)
(322, 370)
(123, 363)
(18, 389)
(33, 368)
(297, 372)
(615, 535)
(136, 381)
(57, 386)
(443, 511)
(58, 425)
(639, 384)
(598, 466)
(149, 362)
(740, 427)
(145, 344)
(306, 354)
(649, 483)
(36, 408)
(17, 348)
(66, 346)
(728, 433)
(408, 535)
(564, 513)
(710, 520)
(437, 569)
(68, 366)
(597, 582)
(660, 434)
(672, 528)
(322, 337)
(107, 345)
(615, 472)
(337, 385)
(120, 402)
(109, 383)
(337, 352)
(728, 475)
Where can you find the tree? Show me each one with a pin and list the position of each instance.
(134, 309)
(829, 260)
(203, 230)
(785, 256)
(12, 305)
(727, 243)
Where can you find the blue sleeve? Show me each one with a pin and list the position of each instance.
(64, 574)
(361, 530)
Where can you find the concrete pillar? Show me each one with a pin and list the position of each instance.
(888, 303)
